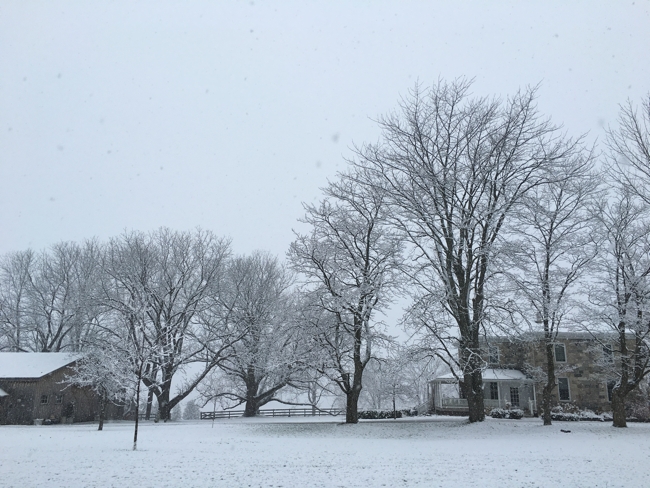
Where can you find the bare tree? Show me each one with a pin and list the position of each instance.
(46, 299)
(109, 371)
(15, 272)
(629, 149)
(269, 353)
(452, 168)
(160, 284)
(546, 250)
(400, 378)
(55, 304)
(191, 411)
(86, 327)
(620, 297)
(350, 262)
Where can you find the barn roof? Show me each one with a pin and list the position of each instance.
(25, 365)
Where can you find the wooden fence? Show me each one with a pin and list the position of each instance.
(274, 412)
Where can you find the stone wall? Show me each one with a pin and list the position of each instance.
(587, 381)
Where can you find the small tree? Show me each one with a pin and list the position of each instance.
(109, 373)
(191, 411)
(176, 413)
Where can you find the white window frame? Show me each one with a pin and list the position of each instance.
(568, 387)
(493, 351)
(45, 399)
(610, 393)
(496, 389)
(608, 353)
(515, 390)
(554, 352)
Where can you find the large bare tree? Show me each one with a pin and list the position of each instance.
(258, 305)
(160, 285)
(15, 271)
(546, 250)
(47, 298)
(629, 148)
(452, 167)
(350, 263)
(620, 296)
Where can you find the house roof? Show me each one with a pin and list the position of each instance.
(561, 335)
(29, 365)
(3, 393)
(492, 375)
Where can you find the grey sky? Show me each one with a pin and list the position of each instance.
(122, 115)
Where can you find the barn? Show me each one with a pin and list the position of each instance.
(34, 389)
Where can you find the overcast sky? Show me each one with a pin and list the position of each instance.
(135, 115)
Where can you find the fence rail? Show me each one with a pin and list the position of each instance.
(274, 412)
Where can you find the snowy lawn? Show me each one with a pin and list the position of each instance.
(316, 452)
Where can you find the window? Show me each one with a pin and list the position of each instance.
(494, 390)
(608, 353)
(563, 389)
(59, 398)
(560, 353)
(610, 389)
(493, 354)
(43, 399)
(514, 396)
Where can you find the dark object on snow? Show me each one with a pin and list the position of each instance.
(565, 431)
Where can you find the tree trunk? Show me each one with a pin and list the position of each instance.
(102, 411)
(618, 407)
(472, 363)
(252, 386)
(147, 414)
(550, 384)
(137, 411)
(352, 407)
(164, 412)
(474, 392)
(250, 410)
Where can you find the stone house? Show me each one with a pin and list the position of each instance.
(33, 388)
(514, 376)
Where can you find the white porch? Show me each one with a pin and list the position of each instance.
(503, 388)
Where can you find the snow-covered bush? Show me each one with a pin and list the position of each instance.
(379, 414)
(571, 413)
(500, 413)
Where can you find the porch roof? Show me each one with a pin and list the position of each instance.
(489, 375)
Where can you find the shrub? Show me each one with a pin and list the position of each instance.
(379, 414)
(571, 413)
(500, 413)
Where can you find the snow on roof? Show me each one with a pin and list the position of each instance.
(493, 374)
(3, 393)
(33, 364)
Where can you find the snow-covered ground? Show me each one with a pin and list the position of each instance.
(317, 452)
